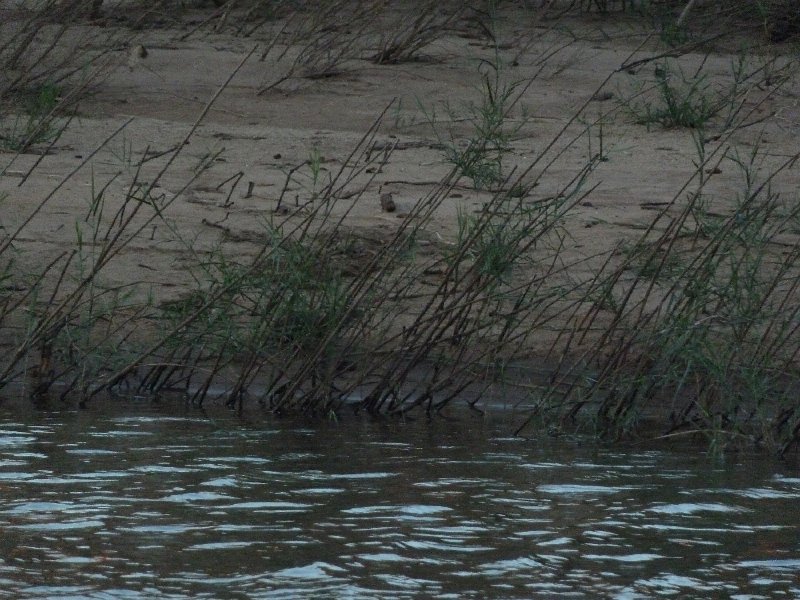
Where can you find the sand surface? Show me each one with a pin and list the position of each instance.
(249, 141)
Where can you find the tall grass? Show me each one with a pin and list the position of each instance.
(694, 323)
(47, 65)
(703, 332)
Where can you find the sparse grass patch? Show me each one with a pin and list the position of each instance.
(415, 28)
(315, 44)
(39, 123)
(479, 157)
(677, 101)
(673, 99)
(46, 66)
(40, 46)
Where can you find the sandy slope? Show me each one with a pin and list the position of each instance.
(263, 136)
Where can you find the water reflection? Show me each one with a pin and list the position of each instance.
(103, 506)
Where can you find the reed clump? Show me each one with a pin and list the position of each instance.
(703, 324)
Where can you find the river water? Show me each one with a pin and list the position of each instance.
(170, 504)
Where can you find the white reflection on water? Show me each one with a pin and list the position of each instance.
(167, 507)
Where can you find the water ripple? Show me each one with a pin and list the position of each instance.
(155, 507)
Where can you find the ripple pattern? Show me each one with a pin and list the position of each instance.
(172, 507)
